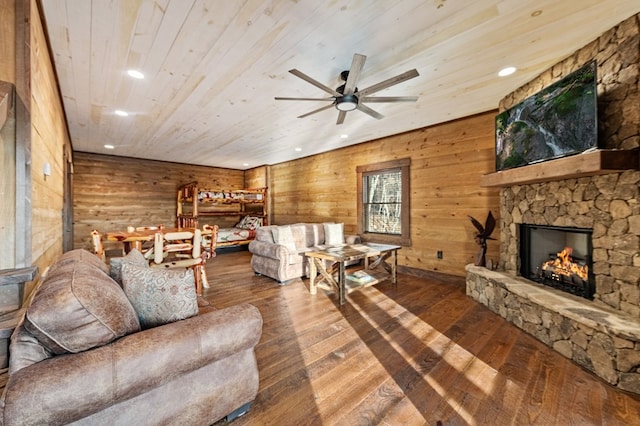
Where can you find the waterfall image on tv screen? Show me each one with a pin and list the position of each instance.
(558, 121)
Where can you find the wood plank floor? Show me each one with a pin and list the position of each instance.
(421, 353)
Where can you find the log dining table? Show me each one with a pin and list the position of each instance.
(136, 237)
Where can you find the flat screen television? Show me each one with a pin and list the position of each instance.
(558, 121)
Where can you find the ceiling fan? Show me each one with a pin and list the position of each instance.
(348, 97)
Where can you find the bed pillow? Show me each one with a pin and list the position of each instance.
(254, 222)
(242, 223)
(333, 234)
(249, 222)
(284, 236)
(158, 295)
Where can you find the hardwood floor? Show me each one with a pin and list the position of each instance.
(421, 353)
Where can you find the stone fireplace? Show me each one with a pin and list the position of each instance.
(559, 257)
(608, 205)
(600, 199)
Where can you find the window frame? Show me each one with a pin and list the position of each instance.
(16, 185)
(403, 165)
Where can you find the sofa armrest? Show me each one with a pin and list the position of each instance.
(270, 250)
(352, 239)
(68, 387)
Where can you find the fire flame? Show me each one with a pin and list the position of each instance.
(564, 265)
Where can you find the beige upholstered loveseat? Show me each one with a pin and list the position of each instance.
(278, 250)
(80, 356)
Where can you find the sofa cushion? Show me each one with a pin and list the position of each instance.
(265, 233)
(299, 233)
(25, 349)
(283, 235)
(333, 233)
(79, 307)
(81, 255)
(315, 234)
(159, 295)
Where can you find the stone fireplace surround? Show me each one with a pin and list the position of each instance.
(602, 335)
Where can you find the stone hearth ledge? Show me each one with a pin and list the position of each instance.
(605, 341)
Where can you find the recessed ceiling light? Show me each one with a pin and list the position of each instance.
(121, 113)
(506, 71)
(109, 146)
(135, 74)
(245, 164)
(344, 136)
(298, 149)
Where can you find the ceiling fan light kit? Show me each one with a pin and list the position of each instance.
(347, 103)
(347, 97)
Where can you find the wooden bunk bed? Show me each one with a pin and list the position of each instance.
(249, 206)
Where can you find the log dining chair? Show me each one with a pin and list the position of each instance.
(105, 253)
(181, 249)
(147, 246)
(98, 245)
(209, 239)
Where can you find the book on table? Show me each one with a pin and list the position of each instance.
(360, 277)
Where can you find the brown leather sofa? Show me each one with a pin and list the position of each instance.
(79, 355)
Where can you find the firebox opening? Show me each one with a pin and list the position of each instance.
(560, 257)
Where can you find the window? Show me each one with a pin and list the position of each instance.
(383, 202)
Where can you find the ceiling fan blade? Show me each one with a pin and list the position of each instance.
(369, 111)
(279, 98)
(314, 82)
(388, 82)
(341, 117)
(316, 110)
(354, 73)
(389, 99)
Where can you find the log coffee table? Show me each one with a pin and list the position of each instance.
(375, 257)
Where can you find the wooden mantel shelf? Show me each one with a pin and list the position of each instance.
(593, 163)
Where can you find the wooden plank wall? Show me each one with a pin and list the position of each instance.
(7, 41)
(8, 181)
(111, 193)
(49, 139)
(447, 161)
(25, 62)
(258, 177)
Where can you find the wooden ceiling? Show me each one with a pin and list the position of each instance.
(213, 68)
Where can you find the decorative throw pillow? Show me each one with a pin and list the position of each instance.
(78, 307)
(134, 257)
(333, 234)
(160, 296)
(282, 235)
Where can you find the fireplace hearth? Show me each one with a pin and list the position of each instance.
(559, 257)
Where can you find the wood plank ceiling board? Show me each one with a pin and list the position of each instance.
(214, 67)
